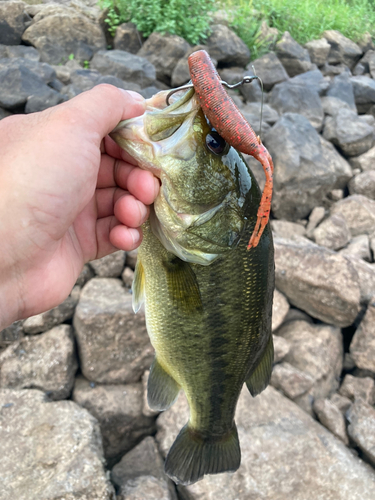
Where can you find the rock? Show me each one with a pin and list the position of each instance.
(84, 79)
(342, 50)
(144, 487)
(269, 69)
(341, 402)
(316, 216)
(332, 233)
(288, 97)
(4, 113)
(361, 429)
(291, 381)
(254, 122)
(50, 450)
(280, 308)
(318, 51)
(337, 164)
(269, 115)
(12, 22)
(366, 274)
(163, 51)
(125, 66)
(331, 417)
(318, 281)
(112, 341)
(24, 52)
(286, 229)
(366, 43)
(117, 82)
(362, 347)
(364, 92)
(333, 70)
(57, 33)
(47, 362)
(332, 105)
(128, 38)
(252, 92)
(363, 183)
(359, 213)
(43, 100)
(294, 146)
(336, 194)
(47, 320)
(118, 409)
(292, 55)
(128, 277)
(277, 439)
(281, 348)
(131, 258)
(317, 351)
(110, 266)
(342, 88)
(314, 79)
(86, 274)
(180, 74)
(359, 247)
(354, 388)
(349, 132)
(11, 334)
(226, 47)
(364, 162)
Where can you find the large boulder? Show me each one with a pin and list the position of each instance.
(12, 22)
(361, 428)
(128, 38)
(318, 51)
(364, 92)
(359, 213)
(342, 88)
(112, 341)
(269, 69)
(292, 55)
(318, 281)
(58, 32)
(342, 50)
(363, 183)
(226, 47)
(285, 454)
(362, 347)
(49, 450)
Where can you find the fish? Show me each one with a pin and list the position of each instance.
(207, 298)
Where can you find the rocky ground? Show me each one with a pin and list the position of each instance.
(74, 422)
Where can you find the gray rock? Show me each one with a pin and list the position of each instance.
(340, 168)
(332, 418)
(332, 105)
(280, 308)
(285, 454)
(144, 487)
(57, 33)
(341, 402)
(332, 233)
(127, 277)
(24, 52)
(317, 351)
(252, 92)
(292, 55)
(42, 100)
(12, 22)
(131, 258)
(112, 341)
(128, 38)
(290, 380)
(366, 43)
(281, 348)
(332, 70)
(11, 334)
(361, 429)
(364, 92)
(286, 229)
(117, 82)
(362, 347)
(363, 183)
(118, 409)
(318, 51)
(254, 121)
(180, 74)
(349, 132)
(313, 79)
(336, 194)
(269, 115)
(342, 88)
(110, 266)
(316, 216)
(269, 69)
(125, 66)
(84, 79)
(226, 47)
(47, 320)
(47, 362)
(4, 113)
(358, 247)
(359, 213)
(163, 51)
(342, 50)
(294, 146)
(355, 387)
(50, 450)
(318, 281)
(86, 274)
(148, 92)
(366, 274)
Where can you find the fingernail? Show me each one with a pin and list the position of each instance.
(142, 210)
(134, 233)
(134, 95)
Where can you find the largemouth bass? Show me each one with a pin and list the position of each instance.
(208, 300)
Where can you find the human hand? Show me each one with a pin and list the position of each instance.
(68, 194)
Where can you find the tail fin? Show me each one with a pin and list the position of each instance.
(192, 456)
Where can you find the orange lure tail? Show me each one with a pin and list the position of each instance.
(225, 117)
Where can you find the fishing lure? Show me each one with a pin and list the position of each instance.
(228, 121)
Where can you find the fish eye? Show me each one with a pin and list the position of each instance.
(215, 143)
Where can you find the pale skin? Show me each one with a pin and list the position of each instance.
(68, 195)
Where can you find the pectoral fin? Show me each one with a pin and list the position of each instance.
(138, 286)
(162, 389)
(260, 377)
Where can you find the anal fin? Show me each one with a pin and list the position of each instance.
(162, 389)
(260, 377)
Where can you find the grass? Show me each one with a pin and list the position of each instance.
(304, 19)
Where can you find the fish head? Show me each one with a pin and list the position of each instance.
(206, 185)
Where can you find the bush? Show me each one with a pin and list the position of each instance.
(187, 18)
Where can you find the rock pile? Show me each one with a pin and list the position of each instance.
(72, 380)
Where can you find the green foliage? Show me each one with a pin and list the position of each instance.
(186, 18)
(304, 19)
(71, 57)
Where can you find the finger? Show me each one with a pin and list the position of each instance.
(125, 238)
(116, 151)
(130, 211)
(143, 185)
(106, 199)
(113, 172)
